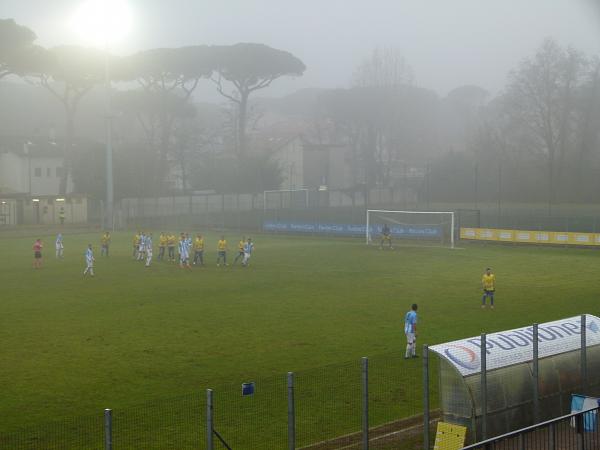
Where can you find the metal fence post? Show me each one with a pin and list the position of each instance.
(209, 420)
(365, 403)
(426, 397)
(483, 387)
(536, 375)
(584, 352)
(108, 429)
(291, 412)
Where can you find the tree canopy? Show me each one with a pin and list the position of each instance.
(15, 43)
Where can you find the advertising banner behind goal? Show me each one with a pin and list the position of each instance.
(345, 229)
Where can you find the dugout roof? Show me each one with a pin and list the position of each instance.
(512, 347)
(510, 379)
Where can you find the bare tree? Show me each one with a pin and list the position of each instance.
(541, 96)
(385, 67)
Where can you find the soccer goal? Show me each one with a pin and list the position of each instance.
(285, 198)
(419, 226)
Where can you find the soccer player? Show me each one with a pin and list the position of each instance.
(142, 247)
(386, 236)
(489, 287)
(59, 245)
(37, 254)
(171, 246)
(162, 244)
(222, 251)
(240, 254)
(136, 244)
(184, 252)
(410, 330)
(104, 242)
(199, 250)
(89, 261)
(248, 249)
(148, 246)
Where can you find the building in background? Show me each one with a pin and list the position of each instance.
(30, 174)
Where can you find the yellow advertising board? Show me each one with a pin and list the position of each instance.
(449, 436)
(530, 236)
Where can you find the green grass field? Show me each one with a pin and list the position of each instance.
(133, 335)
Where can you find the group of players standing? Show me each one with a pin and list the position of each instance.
(188, 249)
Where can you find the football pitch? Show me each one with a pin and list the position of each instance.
(72, 346)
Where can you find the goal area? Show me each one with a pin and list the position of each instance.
(425, 227)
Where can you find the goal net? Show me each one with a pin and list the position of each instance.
(419, 226)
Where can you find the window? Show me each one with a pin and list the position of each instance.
(48, 172)
(38, 171)
(59, 172)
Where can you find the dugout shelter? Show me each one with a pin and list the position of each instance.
(522, 384)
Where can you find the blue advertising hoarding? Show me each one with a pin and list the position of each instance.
(345, 229)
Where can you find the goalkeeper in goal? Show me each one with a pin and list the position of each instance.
(386, 237)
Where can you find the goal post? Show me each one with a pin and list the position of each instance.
(431, 226)
(285, 198)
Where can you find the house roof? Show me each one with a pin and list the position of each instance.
(36, 146)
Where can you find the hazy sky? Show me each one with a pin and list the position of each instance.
(448, 43)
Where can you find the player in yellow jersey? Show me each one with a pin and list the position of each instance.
(198, 245)
(171, 241)
(162, 244)
(489, 287)
(240, 254)
(136, 244)
(104, 243)
(222, 251)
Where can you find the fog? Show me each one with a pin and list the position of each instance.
(448, 43)
(421, 98)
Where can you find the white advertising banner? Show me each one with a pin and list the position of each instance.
(516, 346)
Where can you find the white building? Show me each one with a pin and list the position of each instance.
(31, 167)
(30, 174)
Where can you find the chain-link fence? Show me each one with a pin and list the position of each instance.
(328, 407)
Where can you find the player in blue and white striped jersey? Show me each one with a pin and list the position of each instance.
(89, 260)
(59, 246)
(248, 249)
(184, 251)
(148, 247)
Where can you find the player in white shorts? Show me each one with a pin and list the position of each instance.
(59, 246)
(89, 260)
(184, 252)
(148, 247)
(248, 249)
(410, 330)
(142, 247)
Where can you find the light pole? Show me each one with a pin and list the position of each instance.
(102, 23)
(109, 211)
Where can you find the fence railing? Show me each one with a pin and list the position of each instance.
(249, 211)
(577, 431)
(323, 408)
